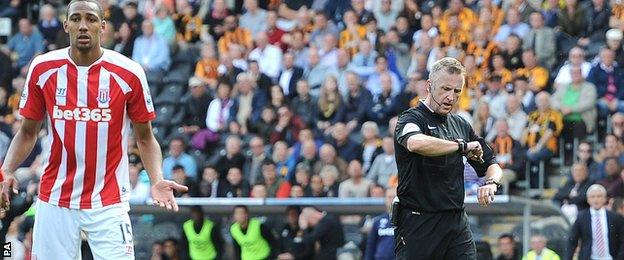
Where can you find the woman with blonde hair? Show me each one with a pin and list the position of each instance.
(371, 144)
(482, 121)
(330, 104)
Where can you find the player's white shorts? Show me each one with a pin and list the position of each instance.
(56, 233)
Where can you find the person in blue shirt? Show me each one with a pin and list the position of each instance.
(380, 241)
(25, 44)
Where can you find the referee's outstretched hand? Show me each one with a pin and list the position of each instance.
(162, 194)
(485, 194)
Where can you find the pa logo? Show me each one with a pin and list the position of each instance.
(6, 249)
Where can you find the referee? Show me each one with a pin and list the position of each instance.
(430, 145)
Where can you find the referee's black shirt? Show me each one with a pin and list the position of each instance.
(434, 184)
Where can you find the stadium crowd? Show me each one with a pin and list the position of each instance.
(298, 98)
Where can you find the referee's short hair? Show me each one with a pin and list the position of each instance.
(448, 65)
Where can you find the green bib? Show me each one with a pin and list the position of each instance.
(200, 245)
(253, 246)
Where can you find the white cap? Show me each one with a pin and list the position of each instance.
(614, 34)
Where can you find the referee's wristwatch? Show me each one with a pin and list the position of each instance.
(492, 181)
(463, 146)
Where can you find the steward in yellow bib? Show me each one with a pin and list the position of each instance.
(201, 239)
(252, 240)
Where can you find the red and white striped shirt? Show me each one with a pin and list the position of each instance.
(89, 110)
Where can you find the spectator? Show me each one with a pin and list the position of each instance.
(570, 24)
(24, 45)
(512, 55)
(237, 186)
(356, 186)
(496, 97)
(386, 16)
(231, 157)
(285, 167)
(139, 183)
(218, 112)
(480, 47)
(132, 16)
(585, 156)
(516, 118)
(380, 240)
(614, 43)
(465, 16)
(308, 155)
(248, 104)
(180, 176)
(537, 75)
(124, 42)
(251, 239)
(324, 229)
(542, 131)
(195, 107)
(551, 11)
(151, 51)
(258, 191)
(200, 237)
(289, 230)
(270, 178)
(330, 106)
(234, 35)
(427, 31)
(49, 25)
(178, 156)
(618, 206)
(374, 34)
(509, 153)
(296, 45)
(612, 148)
(274, 33)
(331, 184)
(290, 76)
(302, 179)
(507, 247)
(617, 125)
(363, 62)
(384, 166)
(171, 249)
(498, 69)
(277, 98)
(357, 102)
(215, 19)
(352, 34)
(371, 144)
(592, 36)
(254, 19)
(163, 24)
(612, 170)
(211, 186)
(347, 149)
(328, 51)
(264, 127)
(603, 230)
(316, 187)
(316, 72)
(617, 190)
(577, 103)
(539, 249)
(207, 67)
(269, 57)
(514, 25)
(305, 105)
(576, 57)
(572, 196)
(482, 121)
(541, 39)
(253, 160)
(322, 27)
(381, 108)
(157, 251)
(608, 78)
(287, 127)
(296, 191)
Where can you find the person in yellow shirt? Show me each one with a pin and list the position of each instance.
(206, 68)
(466, 16)
(481, 47)
(498, 68)
(455, 36)
(543, 129)
(352, 34)
(539, 249)
(537, 75)
(234, 35)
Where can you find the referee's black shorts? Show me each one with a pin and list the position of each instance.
(445, 235)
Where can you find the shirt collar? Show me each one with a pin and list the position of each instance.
(600, 212)
(426, 107)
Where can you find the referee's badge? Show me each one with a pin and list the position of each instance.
(410, 127)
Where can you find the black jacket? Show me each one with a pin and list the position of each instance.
(292, 84)
(582, 232)
(580, 200)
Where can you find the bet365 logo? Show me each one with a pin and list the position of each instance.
(6, 249)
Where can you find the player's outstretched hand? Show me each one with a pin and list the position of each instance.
(162, 194)
(485, 194)
(9, 185)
